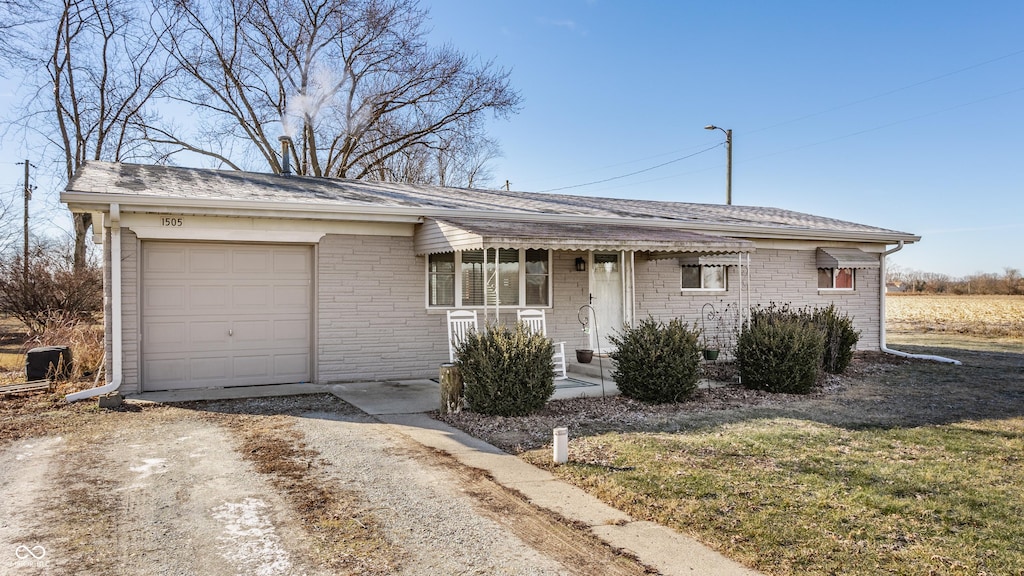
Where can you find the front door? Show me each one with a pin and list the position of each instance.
(606, 296)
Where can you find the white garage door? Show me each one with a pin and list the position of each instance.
(225, 315)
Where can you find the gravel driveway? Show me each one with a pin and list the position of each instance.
(284, 486)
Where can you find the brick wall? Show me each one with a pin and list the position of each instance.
(781, 276)
(373, 323)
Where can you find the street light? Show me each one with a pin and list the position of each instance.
(728, 165)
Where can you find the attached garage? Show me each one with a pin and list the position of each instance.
(217, 314)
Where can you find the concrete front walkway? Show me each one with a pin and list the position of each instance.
(402, 405)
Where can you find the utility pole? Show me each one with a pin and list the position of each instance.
(28, 196)
(728, 159)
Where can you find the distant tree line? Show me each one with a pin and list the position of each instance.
(900, 279)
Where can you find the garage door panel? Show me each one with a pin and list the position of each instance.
(206, 370)
(251, 299)
(209, 333)
(252, 367)
(206, 297)
(166, 260)
(251, 262)
(292, 365)
(208, 260)
(225, 315)
(291, 332)
(163, 372)
(296, 262)
(253, 331)
(166, 334)
(165, 297)
(292, 297)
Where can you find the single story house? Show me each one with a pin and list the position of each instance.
(224, 278)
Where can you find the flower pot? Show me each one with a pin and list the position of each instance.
(584, 356)
(710, 354)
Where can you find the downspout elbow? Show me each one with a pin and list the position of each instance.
(881, 331)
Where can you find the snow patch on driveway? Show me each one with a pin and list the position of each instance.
(149, 467)
(249, 540)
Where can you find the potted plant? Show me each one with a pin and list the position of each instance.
(584, 355)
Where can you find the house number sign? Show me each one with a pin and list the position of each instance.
(171, 222)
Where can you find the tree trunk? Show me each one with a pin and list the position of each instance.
(451, 389)
(83, 222)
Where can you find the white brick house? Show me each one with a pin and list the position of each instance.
(222, 278)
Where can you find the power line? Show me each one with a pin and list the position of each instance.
(813, 114)
(634, 173)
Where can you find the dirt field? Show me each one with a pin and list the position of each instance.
(987, 316)
(304, 485)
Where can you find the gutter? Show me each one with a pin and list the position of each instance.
(93, 201)
(115, 312)
(881, 329)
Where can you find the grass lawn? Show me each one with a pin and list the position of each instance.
(906, 467)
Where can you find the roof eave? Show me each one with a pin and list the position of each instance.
(100, 202)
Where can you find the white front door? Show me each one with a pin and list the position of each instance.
(606, 295)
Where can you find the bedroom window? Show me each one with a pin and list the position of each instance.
(835, 278)
(458, 279)
(703, 277)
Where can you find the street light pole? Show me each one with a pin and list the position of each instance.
(728, 160)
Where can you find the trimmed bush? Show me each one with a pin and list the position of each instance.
(780, 351)
(657, 362)
(506, 371)
(840, 338)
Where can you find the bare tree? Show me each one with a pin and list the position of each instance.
(15, 17)
(97, 64)
(353, 82)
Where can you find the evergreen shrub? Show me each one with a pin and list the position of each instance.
(506, 371)
(780, 350)
(657, 362)
(840, 338)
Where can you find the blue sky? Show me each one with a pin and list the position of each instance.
(906, 115)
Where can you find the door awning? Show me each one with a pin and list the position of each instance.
(846, 258)
(436, 236)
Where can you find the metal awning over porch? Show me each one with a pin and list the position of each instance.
(436, 236)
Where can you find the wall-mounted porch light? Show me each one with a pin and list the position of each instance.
(581, 265)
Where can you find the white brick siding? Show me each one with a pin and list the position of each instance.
(373, 323)
(780, 276)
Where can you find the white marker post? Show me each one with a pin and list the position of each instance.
(561, 445)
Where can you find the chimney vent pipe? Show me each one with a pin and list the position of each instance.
(286, 144)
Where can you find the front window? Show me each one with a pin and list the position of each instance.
(515, 277)
(442, 279)
(703, 278)
(835, 278)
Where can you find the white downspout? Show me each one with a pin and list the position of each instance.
(115, 312)
(881, 315)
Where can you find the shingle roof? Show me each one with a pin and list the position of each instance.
(142, 182)
(474, 233)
